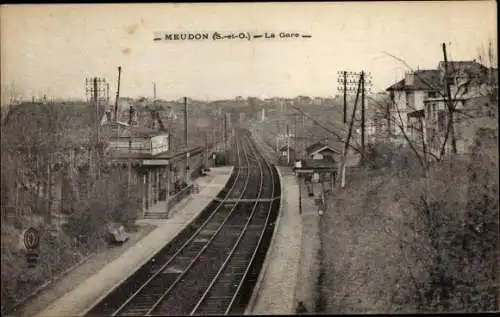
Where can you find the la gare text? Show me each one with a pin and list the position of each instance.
(203, 36)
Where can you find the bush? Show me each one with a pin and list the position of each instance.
(379, 155)
(432, 241)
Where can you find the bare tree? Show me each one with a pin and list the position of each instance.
(452, 102)
(11, 95)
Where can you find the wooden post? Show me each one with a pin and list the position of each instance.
(362, 118)
(450, 102)
(287, 145)
(96, 104)
(144, 196)
(346, 146)
(167, 195)
(185, 123)
(300, 193)
(150, 189)
(345, 97)
(343, 171)
(117, 93)
(49, 189)
(205, 161)
(295, 135)
(225, 133)
(157, 184)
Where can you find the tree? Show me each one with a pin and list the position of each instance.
(456, 244)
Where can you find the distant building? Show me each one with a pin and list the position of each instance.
(263, 114)
(306, 100)
(321, 150)
(317, 101)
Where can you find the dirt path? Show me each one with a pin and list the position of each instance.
(79, 275)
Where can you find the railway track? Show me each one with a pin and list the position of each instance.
(211, 266)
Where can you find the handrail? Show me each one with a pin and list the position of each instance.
(179, 195)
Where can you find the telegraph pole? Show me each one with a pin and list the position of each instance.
(107, 95)
(154, 91)
(185, 122)
(363, 118)
(97, 150)
(302, 137)
(450, 102)
(206, 150)
(346, 146)
(345, 97)
(225, 132)
(295, 135)
(287, 145)
(347, 81)
(278, 136)
(117, 93)
(96, 103)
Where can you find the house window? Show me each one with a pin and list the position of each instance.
(434, 113)
(432, 94)
(441, 120)
(410, 102)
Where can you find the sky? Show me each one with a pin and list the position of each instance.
(51, 49)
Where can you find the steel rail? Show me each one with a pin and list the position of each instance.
(157, 303)
(120, 309)
(258, 243)
(237, 243)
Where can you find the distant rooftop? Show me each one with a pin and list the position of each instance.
(423, 80)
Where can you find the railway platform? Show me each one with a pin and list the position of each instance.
(275, 290)
(290, 271)
(79, 300)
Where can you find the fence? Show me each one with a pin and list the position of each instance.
(183, 193)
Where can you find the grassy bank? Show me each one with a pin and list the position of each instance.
(399, 240)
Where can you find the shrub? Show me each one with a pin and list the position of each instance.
(432, 239)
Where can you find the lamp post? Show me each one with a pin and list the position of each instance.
(300, 194)
(167, 189)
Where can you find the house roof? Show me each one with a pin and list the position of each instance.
(428, 79)
(313, 147)
(469, 66)
(318, 147)
(326, 147)
(432, 79)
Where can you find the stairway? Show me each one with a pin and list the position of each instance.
(155, 215)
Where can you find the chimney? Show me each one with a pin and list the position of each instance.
(409, 79)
